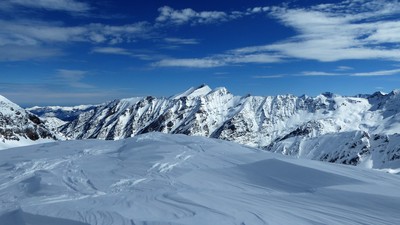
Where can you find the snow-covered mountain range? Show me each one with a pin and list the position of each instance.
(359, 130)
(162, 179)
(19, 127)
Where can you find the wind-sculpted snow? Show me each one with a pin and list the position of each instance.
(262, 122)
(176, 179)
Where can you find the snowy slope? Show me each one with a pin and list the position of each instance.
(19, 127)
(353, 148)
(256, 121)
(53, 122)
(176, 179)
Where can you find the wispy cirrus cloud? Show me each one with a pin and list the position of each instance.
(218, 60)
(333, 32)
(191, 63)
(268, 76)
(319, 73)
(344, 68)
(39, 39)
(72, 74)
(348, 30)
(111, 50)
(145, 55)
(20, 53)
(73, 78)
(377, 73)
(182, 41)
(73, 6)
(360, 74)
(35, 39)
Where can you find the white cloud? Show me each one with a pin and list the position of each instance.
(218, 60)
(182, 41)
(111, 50)
(268, 76)
(257, 10)
(347, 30)
(25, 36)
(139, 54)
(319, 73)
(117, 34)
(73, 78)
(386, 32)
(351, 29)
(32, 33)
(71, 74)
(98, 38)
(192, 63)
(344, 68)
(377, 73)
(252, 58)
(361, 74)
(36, 32)
(59, 5)
(169, 15)
(20, 53)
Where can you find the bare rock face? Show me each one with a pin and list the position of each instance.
(283, 123)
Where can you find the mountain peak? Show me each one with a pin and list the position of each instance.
(8, 107)
(20, 127)
(395, 92)
(202, 86)
(5, 100)
(380, 93)
(328, 94)
(194, 92)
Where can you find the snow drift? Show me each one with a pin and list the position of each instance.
(176, 179)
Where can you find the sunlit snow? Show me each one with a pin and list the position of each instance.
(175, 179)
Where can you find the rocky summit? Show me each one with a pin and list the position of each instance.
(19, 127)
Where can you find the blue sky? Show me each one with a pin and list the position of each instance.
(68, 52)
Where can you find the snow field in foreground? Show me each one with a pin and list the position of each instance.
(176, 179)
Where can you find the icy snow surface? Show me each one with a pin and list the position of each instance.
(175, 179)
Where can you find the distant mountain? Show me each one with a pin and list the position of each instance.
(19, 127)
(300, 126)
(61, 112)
